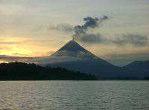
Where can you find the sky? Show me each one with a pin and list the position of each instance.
(33, 28)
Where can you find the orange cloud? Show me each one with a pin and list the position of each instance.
(17, 46)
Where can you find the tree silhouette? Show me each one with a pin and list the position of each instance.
(24, 71)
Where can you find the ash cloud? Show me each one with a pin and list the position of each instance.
(81, 31)
(90, 22)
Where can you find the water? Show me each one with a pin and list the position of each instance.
(74, 95)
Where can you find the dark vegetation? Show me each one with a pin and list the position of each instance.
(24, 71)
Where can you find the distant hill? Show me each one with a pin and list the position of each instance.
(138, 65)
(139, 69)
(24, 71)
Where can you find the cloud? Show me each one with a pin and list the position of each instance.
(124, 59)
(67, 28)
(89, 38)
(136, 40)
(133, 39)
(4, 48)
(9, 43)
(7, 58)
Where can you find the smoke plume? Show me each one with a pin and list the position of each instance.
(81, 31)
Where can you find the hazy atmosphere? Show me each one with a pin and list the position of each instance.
(115, 30)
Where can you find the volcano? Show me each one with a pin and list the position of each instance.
(73, 56)
(73, 51)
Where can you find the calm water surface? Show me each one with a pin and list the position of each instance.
(74, 95)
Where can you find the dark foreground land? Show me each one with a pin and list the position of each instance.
(24, 71)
